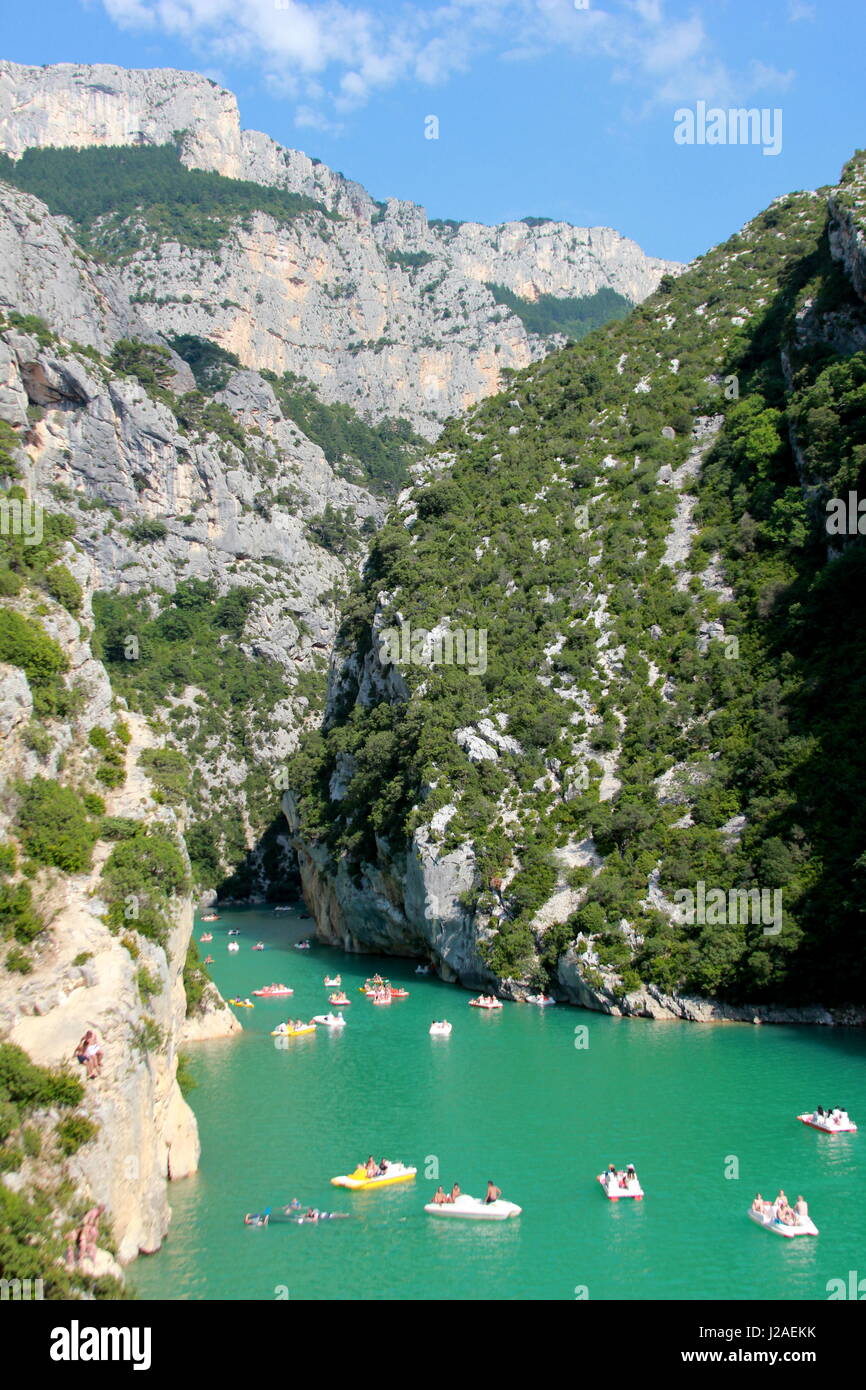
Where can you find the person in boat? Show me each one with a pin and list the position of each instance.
(440, 1196)
(758, 1204)
(631, 1175)
(383, 1168)
(801, 1208)
(493, 1192)
(455, 1193)
(371, 1167)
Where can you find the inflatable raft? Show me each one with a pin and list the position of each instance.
(474, 1209)
(358, 1181)
(805, 1226)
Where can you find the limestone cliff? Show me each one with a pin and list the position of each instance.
(82, 973)
(378, 306)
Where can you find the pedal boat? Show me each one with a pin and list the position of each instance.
(485, 1003)
(330, 1020)
(358, 1181)
(272, 992)
(440, 1029)
(282, 1031)
(826, 1125)
(611, 1188)
(474, 1209)
(804, 1226)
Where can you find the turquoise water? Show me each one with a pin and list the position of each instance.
(507, 1096)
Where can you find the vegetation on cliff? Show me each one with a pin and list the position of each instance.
(731, 667)
(572, 317)
(120, 197)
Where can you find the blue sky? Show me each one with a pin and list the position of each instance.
(556, 108)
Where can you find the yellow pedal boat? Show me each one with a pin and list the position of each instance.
(283, 1032)
(397, 1172)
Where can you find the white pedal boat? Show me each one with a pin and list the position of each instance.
(233, 946)
(827, 1125)
(613, 1189)
(330, 1020)
(805, 1226)
(474, 1209)
(440, 1030)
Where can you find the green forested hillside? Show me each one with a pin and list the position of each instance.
(739, 670)
(573, 318)
(101, 188)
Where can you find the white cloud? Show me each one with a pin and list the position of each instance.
(798, 9)
(332, 57)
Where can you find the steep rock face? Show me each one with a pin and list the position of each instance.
(110, 455)
(43, 272)
(405, 904)
(100, 104)
(83, 976)
(379, 307)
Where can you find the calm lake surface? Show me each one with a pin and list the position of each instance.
(508, 1096)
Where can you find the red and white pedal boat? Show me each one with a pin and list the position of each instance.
(617, 1185)
(827, 1124)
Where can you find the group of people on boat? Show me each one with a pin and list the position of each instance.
(442, 1198)
(619, 1177)
(374, 1169)
(486, 1001)
(781, 1209)
(837, 1116)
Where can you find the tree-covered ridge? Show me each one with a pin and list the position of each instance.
(571, 317)
(119, 196)
(376, 456)
(735, 674)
